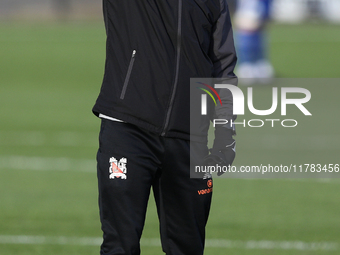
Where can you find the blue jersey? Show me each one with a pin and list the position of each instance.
(266, 6)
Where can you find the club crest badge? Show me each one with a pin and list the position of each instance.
(118, 168)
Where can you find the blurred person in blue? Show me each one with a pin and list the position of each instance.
(250, 21)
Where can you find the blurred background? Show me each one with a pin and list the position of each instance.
(52, 55)
(291, 11)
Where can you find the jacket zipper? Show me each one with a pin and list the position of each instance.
(178, 53)
(128, 74)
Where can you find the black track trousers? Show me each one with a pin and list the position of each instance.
(157, 162)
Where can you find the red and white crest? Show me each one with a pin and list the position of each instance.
(118, 168)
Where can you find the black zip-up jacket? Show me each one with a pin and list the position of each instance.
(153, 49)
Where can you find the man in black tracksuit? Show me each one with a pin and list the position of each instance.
(153, 49)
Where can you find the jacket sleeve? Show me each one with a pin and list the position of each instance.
(223, 56)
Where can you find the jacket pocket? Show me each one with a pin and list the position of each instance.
(128, 74)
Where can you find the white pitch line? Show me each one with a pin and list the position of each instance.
(58, 240)
(214, 243)
(304, 40)
(271, 40)
(47, 164)
(40, 138)
(273, 245)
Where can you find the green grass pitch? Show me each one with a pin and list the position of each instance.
(50, 75)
